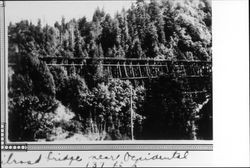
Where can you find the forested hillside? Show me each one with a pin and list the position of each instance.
(166, 29)
(49, 103)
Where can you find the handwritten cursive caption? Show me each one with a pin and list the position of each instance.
(119, 159)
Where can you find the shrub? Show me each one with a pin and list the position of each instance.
(26, 122)
(76, 96)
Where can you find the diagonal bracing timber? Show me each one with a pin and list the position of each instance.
(132, 68)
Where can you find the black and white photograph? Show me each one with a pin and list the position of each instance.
(124, 83)
(109, 70)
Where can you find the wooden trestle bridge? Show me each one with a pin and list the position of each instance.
(195, 75)
(133, 68)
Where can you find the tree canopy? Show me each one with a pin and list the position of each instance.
(163, 29)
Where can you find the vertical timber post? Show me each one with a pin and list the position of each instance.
(125, 69)
(119, 69)
(139, 69)
(132, 69)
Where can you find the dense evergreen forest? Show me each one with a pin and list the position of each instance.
(48, 103)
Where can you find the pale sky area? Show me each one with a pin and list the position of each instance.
(51, 11)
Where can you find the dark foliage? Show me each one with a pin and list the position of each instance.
(205, 124)
(172, 30)
(31, 100)
(165, 99)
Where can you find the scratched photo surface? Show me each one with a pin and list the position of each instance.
(109, 70)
